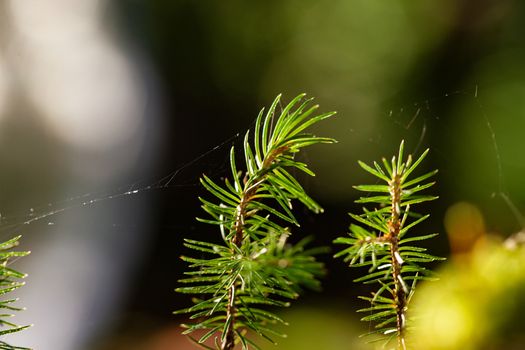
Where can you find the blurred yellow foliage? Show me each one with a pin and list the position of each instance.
(465, 225)
(475, 305)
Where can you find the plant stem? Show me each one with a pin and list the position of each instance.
(250, 189)
(229, 340)
(394, 227)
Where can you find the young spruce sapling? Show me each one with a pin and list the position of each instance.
(254, 267)
(382, 240)
(10, 280)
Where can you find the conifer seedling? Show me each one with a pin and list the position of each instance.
(382, 241)
(10, 280)
(254, 267)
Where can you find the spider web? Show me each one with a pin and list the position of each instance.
(418, 120)
(48, 211)
(415, 121)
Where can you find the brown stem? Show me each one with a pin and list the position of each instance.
(394, 227)
(229, 340)
(249, 192)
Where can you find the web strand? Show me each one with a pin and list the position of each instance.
(396, 116)
(417, 120)
(43, 212)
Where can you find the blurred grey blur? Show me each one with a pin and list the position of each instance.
(75, 101)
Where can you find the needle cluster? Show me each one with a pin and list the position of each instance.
(254, 267)
(10, 280)
(382, 240)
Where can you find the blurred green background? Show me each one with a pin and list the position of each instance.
(112, 110)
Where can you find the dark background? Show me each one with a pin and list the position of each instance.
(447, 75)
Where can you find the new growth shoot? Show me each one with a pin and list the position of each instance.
(254, 266)
(382, 238)
(10, 280)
